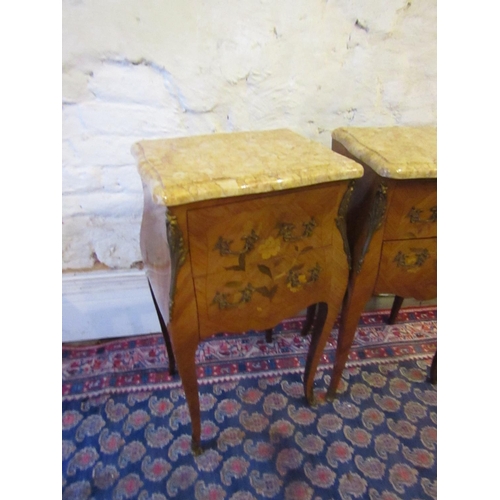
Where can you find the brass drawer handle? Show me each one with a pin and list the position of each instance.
(414, 261)
(414, 215)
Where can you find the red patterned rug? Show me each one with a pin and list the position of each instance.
(126, 428)
(139, 363)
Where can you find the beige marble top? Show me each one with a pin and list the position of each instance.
(191, 169)
(395, 152)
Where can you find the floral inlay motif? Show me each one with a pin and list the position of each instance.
(295, 278)
(224, 247)
(411, 262)
(269, 248)
(286, 230)
(415, 213)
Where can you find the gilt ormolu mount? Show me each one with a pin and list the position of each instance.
(375, 220)
(394, 231)
(178, 253)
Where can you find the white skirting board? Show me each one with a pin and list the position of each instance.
(110, 304)
(106, 304)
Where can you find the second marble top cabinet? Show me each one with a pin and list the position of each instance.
(391, 222)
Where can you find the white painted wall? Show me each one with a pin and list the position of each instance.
(135, 69)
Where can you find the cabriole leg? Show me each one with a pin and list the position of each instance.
(396, 306)
(185, 346)
(322, 328)
(311, 314)
(166, 336)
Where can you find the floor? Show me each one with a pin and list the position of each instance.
(385, 302)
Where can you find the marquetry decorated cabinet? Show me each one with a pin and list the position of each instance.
(391, 222)
(239, 232)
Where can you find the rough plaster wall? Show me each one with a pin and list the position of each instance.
(135, 69)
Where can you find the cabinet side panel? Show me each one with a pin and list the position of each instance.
(155, 252)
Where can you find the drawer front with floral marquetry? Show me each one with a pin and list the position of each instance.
(408, 268)
(258, 258)
(412, 212)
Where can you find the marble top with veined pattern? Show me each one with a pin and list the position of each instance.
(395, 152)
(189, 169)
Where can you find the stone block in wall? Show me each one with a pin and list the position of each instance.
(128, 119)
(125, 82)
(82, 180)
(103, 204)
(104, 149)
(116, 241)
(102, 179)
(75, 85)
(77, 248)
(90, 240)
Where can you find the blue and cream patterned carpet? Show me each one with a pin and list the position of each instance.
(126, 428)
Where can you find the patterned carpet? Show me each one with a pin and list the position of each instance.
(126, 428)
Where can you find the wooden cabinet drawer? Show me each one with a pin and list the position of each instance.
(277, 288)
(412, 211)
(408, 268)
(266, 257)
(242, 235)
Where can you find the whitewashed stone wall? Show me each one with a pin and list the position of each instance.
(135, 69)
